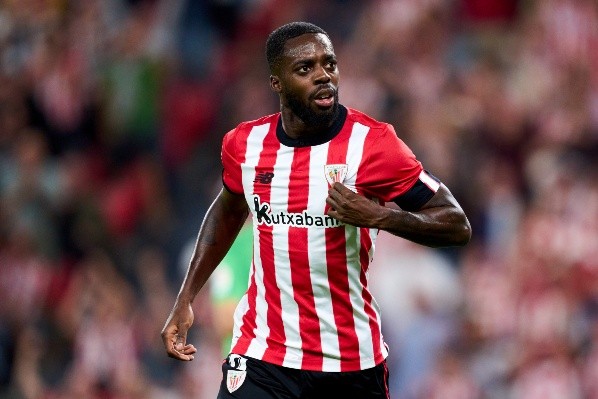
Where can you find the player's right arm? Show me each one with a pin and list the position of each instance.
(222, 223)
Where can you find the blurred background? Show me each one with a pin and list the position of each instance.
(111, 119)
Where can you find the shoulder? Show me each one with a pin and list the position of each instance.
(356, 116)
(381, 136)
(240, 133)
(246, 126)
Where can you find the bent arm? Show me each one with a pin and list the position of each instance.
(220, 227)
(439, 223)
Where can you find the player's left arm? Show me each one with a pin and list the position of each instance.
(439, 222)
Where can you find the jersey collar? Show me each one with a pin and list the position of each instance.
(315, 140)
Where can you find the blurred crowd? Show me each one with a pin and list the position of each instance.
(111, 119)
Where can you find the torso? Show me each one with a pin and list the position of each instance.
(308, 305)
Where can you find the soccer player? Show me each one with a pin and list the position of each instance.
(315, 177)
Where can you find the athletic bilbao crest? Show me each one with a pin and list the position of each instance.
(234, 379)
(335, 173)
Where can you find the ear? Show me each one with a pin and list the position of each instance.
(275, 83)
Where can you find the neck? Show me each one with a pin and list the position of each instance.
(297, 128)
(309, 136)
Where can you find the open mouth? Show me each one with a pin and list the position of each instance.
(324, 98)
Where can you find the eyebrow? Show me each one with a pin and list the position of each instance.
(307, 60)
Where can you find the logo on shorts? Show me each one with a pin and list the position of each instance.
(335, 172)
(236, 377)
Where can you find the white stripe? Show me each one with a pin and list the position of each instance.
(316, 239)
(373, 237)
(280, 238)
(429, 181)
(355, 153)
(240, 310)
(383, 347)
(255, 143)
(360, 317)
(353, 238)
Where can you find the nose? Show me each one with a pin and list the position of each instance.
(321, 75)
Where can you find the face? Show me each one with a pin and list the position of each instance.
(307, 79)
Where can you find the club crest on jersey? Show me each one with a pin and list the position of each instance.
(335, 172)
(234, 379)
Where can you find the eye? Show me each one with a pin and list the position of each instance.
(303, 69)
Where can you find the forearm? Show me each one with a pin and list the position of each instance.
(433, 227)
(216, 235)
(439, 223)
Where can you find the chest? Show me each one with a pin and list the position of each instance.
(295, 179)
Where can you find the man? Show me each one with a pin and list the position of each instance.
(314, 177)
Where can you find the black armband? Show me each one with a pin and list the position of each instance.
(417, 196)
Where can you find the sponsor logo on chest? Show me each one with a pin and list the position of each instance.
(264, 215)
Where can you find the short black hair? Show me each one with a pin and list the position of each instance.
(278, 38)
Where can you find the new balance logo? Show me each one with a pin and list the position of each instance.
(264, 177)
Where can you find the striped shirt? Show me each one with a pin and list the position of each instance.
(308, 305)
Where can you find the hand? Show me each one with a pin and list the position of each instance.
(354, 209)
(174, 333)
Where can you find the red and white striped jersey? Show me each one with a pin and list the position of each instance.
(308, 305)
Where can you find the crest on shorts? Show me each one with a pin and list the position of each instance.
(335, 172)
(234, 379)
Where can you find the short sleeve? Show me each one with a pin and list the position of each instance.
(422, 191)
(231, 166)
(389, 167)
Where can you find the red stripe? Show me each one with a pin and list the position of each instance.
(341, 301)
(309, 324)
(275, 350)
(386, 375)
(275, 341)
(337, 269)
(366, 245)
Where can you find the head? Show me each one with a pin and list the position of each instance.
(304, 72)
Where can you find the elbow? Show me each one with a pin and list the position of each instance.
(463, 234)
(458, 235)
